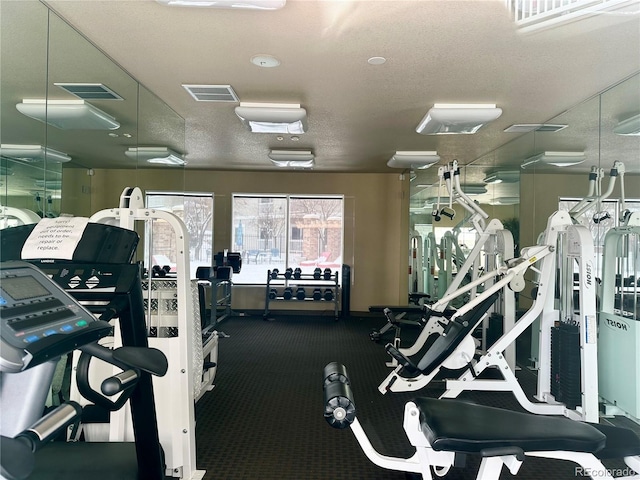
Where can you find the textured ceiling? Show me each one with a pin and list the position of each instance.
(439, 51)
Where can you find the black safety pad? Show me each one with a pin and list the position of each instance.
(453, 425)
(397, 309)
(453, 335)
(621, 442)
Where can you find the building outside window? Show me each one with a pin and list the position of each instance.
(286, 231)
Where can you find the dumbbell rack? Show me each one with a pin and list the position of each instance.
(305, 280)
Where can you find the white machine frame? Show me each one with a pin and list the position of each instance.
(23, 216)
(425, 457)
(185, 381)
(577, 245)
(497, 244)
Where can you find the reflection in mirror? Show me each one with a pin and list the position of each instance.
(23, 35)
(104, 99)
(161, 140)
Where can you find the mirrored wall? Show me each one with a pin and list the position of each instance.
(69, 114)
(523, 182)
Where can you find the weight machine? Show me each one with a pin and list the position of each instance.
(493, 242)
(619, 316)
(443, 432)
(567, 248)
(173, 314)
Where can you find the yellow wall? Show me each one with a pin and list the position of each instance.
(376, 219)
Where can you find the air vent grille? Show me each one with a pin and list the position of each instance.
(534, 127)
(90, 91)
(212, 93)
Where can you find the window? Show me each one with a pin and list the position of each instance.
(286, 231)
(196, 211)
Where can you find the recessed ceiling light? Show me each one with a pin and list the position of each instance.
(265, 61)
(376, 60)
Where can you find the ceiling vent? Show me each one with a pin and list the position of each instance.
(89, 91)
(534, 127)
(212, 93)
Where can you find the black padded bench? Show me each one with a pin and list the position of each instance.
(458, 426)
(455, 331)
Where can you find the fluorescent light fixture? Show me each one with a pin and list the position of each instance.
(292, 158)
(273, 117)
(504, 201)
(630, 126)
(455, 118)
(418, 160)
(240, 4)
(506, 176)
(49, 184)
(157, 155)
(68, 114)
(33, 153)
(474, 189)
(558, 159)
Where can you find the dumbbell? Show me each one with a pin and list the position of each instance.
(156, 271)
(274, 273)
(288, 293)
(300, 293)
(317, 273)
(328, 294)
(273, 293)
(327, 274)
(317, 294)
(288, 273)
(297, 273)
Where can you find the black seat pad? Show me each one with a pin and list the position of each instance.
(454, 425)
(453, 334)
(621, 442)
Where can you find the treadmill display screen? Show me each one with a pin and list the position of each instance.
(23, 288)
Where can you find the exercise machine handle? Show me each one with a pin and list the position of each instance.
(49, 426)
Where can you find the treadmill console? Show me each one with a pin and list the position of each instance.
(39, 321)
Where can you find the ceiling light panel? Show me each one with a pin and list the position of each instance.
(212, 93)
(557, 159)
(292, 158)
(90, 91)
(453, 118)
(68, 114)
(273, 117)
(155, 155)
(237, 4)
(33, 153)
(630, 126)
(413, 159)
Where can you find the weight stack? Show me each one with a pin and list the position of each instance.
(565, 350)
